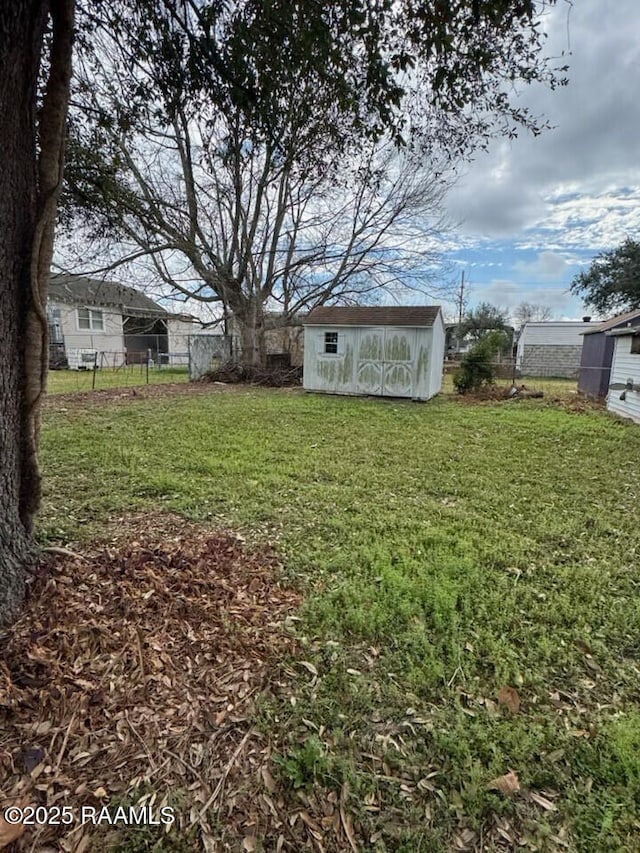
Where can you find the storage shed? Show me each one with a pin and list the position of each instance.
(597, 354)
(624, 386)
(551, 348)
(385, 352)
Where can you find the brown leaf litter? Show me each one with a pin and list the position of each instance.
(132, 674)
(509, 698)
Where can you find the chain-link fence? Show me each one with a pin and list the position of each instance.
(206, 352)
(91, 370)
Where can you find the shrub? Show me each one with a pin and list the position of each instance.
(477, 369)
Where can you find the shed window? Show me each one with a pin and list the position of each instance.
(331, 343)
(635, 344)
(88, 319)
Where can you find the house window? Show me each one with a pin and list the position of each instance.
(55, 327)
(90, 320)
(635, 344)
(331, 343)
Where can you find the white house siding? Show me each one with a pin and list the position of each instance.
(551, 348)
(109, 341)
(624, 366)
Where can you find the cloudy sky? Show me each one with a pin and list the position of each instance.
(534, 212)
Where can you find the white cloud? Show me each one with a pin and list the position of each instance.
(573, 181)
(551, 265)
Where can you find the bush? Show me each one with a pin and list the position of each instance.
(477, 369)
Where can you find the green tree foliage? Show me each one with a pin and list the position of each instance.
(351, 63)
(477, 367)
(612, 282)
(483, 319)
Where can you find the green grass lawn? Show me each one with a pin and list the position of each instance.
(447, 551)
(71, 381)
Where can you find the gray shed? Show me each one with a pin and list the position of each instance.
(386, 352)
(597, 354)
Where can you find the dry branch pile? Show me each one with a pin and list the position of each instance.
(272, 377)
(132, 674)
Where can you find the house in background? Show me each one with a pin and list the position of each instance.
(551, 348)
(390, 352)
(456, 348)
(284, 339)
(624, 386)
(116, 324)
(597, 354)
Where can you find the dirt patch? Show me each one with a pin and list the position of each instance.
(573, 402)
(130, 680)
(146, 392)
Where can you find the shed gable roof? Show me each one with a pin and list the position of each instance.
(80, 290)
(631, 318)
(360, 315)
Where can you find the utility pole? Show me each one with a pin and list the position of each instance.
(460, 310)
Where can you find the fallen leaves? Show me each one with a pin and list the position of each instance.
(509, 698)
(543, 802)
(135, 669)
(10, 832)
(509, 784)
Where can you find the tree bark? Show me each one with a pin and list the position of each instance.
(32, 144)
(253, 350)
(249, 316)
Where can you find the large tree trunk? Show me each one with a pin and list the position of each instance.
(32, 147)
(253, 349)
(249, 316)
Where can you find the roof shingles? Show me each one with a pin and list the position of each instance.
(80, 290)
(405, 315)
(631, 318)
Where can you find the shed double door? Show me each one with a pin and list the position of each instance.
(385, 357)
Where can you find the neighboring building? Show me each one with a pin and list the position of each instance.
(391, 352)
(551, 348)
(624, 386)
(284, 339)
(111, 324)
(182, 331)
(453, 345)
(597, 354)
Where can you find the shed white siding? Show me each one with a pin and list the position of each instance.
(625, 366)
(437, 362)
(393, 361)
